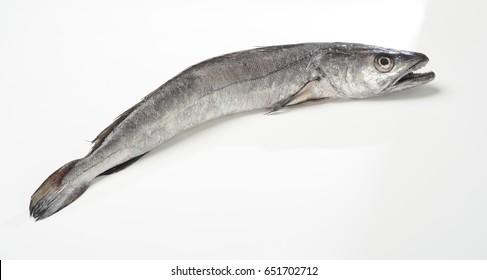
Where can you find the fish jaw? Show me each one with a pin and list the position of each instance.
(410, 79)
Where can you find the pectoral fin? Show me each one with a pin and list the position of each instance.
(304, 94)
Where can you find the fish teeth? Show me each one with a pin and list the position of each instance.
(423, 70)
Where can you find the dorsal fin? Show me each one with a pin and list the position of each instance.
(103, 135)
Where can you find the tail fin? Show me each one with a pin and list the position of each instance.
(54, 194)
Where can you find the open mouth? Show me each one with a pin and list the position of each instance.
(411, 79)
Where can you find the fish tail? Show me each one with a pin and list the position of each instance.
(55, 192)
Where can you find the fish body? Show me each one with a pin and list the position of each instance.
(263, 78)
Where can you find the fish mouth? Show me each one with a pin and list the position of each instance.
(410, 78)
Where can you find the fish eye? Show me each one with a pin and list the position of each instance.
(384, 63)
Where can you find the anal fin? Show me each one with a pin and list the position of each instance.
(121, 166)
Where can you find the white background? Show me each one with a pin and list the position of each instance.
(398, 177)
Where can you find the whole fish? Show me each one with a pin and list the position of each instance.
(263, 78)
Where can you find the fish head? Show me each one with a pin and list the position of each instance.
(361, 71)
